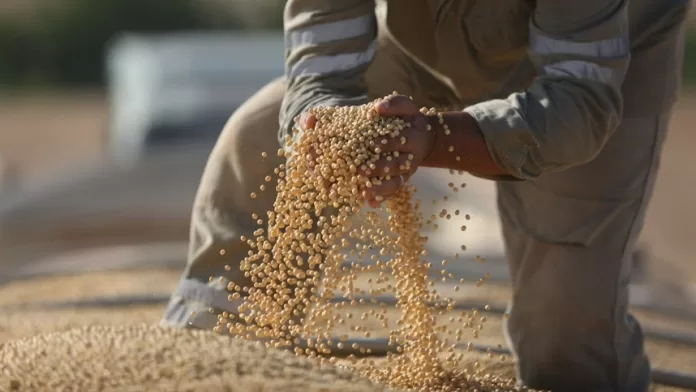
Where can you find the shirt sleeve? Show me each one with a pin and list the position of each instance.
(328, 47)
(580, 50)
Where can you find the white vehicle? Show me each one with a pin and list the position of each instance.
(183, 86)
(170, 96)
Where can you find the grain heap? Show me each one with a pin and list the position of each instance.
(297, 266)
(149, 358)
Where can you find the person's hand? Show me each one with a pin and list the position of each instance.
(408, 150)
(308, 121)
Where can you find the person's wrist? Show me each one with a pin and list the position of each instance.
(441, 127)
(434, 135)
(460, 145)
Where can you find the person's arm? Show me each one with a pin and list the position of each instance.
(581, 50)
(463, 149)
(328, 47)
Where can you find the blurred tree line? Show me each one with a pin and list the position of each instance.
(63, 42)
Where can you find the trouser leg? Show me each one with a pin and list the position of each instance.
(569, 237)
(223, 209)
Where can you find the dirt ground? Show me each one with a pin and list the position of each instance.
(670, 226)
(27, 321)
(39, 133)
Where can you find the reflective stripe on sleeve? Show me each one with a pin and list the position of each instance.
(330, 32)
(582, 70)
(318, 65)
(605, 49)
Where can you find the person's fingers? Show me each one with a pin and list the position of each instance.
(407, 139)
(312, 157)
(307, 121)
(312, 154)
(397, 106)
(388, 143)
(397, 165)
(378, 193)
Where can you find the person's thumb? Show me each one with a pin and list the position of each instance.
(307, 121)
(397, 106)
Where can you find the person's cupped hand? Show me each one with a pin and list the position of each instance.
(401, 156)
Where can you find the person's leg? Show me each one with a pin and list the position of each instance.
(223, 206)
(569, 239)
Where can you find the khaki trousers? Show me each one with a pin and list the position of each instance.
(568, 235)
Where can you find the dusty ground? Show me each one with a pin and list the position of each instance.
(37, 133)
(671, 222)
(26, 322)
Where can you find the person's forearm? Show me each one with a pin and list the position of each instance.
(463, 148)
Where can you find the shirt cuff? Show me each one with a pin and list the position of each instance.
(508, 137)
(289, 126)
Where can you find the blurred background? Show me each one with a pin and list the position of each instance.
(108, 110)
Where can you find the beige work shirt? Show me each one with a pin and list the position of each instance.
(542, 78)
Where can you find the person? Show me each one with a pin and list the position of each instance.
(564, 103)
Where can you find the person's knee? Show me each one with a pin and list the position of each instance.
(570, 331)
(251, 131)
(253, 127)
(245, 155)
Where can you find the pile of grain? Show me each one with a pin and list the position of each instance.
(149, 358)
(297, 264)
